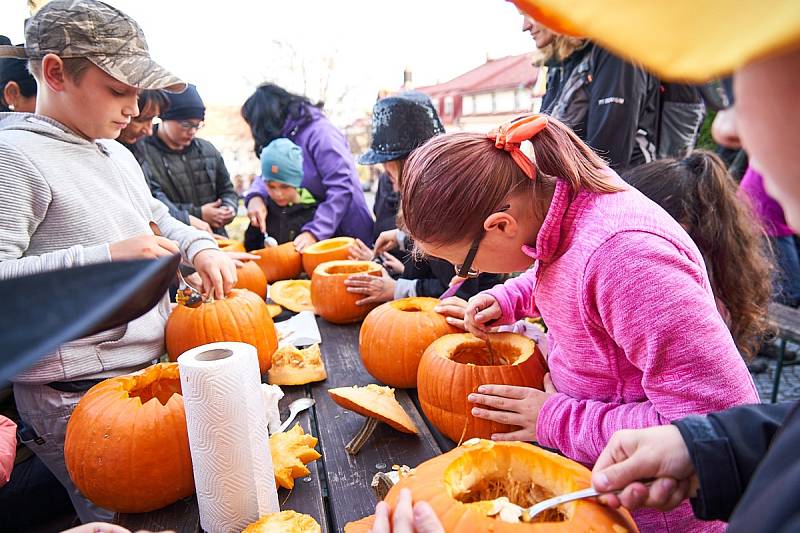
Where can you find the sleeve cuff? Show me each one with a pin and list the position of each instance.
(198, 246)
(546, 414)
(405, 288)
(401, 240)
(100, 253)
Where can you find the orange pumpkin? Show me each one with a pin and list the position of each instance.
(126, 447)
(464, 484)
(229, 245)
(280, 262)
(274, 310)
(329, 294)
(251, 277)
(241, 317)
(335, 249)
(455, 365)
(293, 294)
(291, 366)
(284, 521)
(395, 335)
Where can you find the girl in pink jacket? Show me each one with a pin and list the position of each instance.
(634, 334)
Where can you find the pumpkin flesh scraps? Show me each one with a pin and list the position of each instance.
(291, 366)
(162, 390)
(285, 522)
(291, 451)
(505, 499)
(293, 294)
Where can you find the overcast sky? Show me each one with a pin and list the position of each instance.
(226, 47)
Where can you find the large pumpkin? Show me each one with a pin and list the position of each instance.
(329, 294)
(280, 262)
(335, 249)
(241, 317)
(293, 294)
(455, 365)
(229, 245)
(251, 277)
(395, 335)
(126, 447)
(463, 485)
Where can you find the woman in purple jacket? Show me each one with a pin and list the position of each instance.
(329, 172)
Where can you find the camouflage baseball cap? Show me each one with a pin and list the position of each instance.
(100, 33)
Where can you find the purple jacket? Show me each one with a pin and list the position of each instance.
(330, 174)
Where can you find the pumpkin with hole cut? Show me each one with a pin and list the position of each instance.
(229, 245)
(284, 521)
(291, 451)
(455, 365)
(395, 335)
(483, 485)
(335, 249)
(329, 293)
(293, 294)
(126, 446)
(279, 262)
(291, 366)
(241, 317)
(251, 277)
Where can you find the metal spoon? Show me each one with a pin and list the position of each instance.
(529, 513)
(297, 406)
(187, 295)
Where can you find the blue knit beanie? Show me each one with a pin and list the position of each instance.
(282, 160)
(185, 106)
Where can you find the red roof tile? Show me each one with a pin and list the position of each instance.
(509, 71)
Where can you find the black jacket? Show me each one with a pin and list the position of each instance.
(191, 177)
(748, 464)
(155, 188)
(283, 224)
(387, 203)
(611, 104)
(433, 278)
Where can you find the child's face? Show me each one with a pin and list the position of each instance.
(281, 193)
(141, 126)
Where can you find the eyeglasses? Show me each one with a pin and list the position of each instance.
(465, 270)
(189, 126)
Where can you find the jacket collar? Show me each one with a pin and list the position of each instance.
(550, 234)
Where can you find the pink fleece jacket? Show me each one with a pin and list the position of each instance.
(634, 333)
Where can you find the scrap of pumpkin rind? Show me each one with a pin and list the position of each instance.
(291, 451)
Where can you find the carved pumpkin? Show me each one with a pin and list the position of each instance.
(291, 451)
(455, 365)
(465, 485)
(251, 277)
(329, 293)
(229, 245)
(285, 522)
(291, 366)
(280, 262)
(293, 294)
(320, 252)
(241, 317)
(126, 446)
(395, 335)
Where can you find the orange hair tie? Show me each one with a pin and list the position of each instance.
(511, 135)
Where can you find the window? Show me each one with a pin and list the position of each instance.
(448, 106)
(468, 105)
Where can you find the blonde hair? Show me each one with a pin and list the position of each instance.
(562, 47)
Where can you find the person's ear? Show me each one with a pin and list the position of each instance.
(502, 222)
(11, 94)
(53, 72)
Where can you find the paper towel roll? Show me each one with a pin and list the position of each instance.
(228, 435)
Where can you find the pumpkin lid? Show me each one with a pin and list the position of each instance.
(346, 267)
(291, 366)
(293, 294)
(286, 521)
(374, 401)
(329, 245)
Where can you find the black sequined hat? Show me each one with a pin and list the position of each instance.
(399, 125)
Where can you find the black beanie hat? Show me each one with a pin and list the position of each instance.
(185, 106)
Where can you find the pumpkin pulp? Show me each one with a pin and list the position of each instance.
(146, 388)
(502, 353)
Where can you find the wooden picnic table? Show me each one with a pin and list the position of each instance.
(338, 489)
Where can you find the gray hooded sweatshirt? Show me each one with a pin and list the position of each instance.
(63, 200)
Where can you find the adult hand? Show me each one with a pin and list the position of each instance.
(386, 241)
(304, 240)
(359, 251)
(202, 225)
(635, 454)
(142, 247)
(257, 213)
(516, 406)
(481, 309)
(217, 271)
(215, 213)
(393, 264)
(453, 309)
(406, 519)
(240, 258)
(229, 213)
(377, 289)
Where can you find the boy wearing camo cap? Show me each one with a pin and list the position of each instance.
(69, 197)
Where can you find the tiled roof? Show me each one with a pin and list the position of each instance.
(509, 71)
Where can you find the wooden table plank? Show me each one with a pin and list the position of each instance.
(181, 517)
(349, 477)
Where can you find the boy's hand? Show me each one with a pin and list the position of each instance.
(304, 240)
(142, 247)
(257, 213)
(215, 214)
(481, 309)
(202, 225)
(217, 271)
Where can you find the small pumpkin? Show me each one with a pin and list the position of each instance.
(280, 262)
(291, 451)
(241, 317)
(466, 485)
(395, 335)
(230, 245)
(293, 294)
(291, 366)
(335, 249)
(455, 365)
(126, 446)
(329, 293)
(251, 277)
(285, 522)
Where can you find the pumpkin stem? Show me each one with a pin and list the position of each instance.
(358, 442)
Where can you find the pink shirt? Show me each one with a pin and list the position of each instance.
(634, 333)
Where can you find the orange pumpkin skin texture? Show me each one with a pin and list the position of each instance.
(280, 262)
(443, 482)
(374, 401)
(251, 277)
(285, 522)
(241, 317)
(329, 294)
(291, 451)
(455, 365)
(395, 335)
(291, 366)
(274, 310)
(293, 294)
(360, 526)
(126, 446)
(336, 249)
(229, 245)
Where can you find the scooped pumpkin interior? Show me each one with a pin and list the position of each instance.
(502, 353)
(347, 269)
(161, 389)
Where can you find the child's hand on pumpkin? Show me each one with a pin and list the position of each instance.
(453, 309)
(515, 406)
(386, 241)
(481, 309)
(359, 251)
(217, 271)
(304, 240)
(406, 518)
(377, 289)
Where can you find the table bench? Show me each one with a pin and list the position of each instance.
(787, 323)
